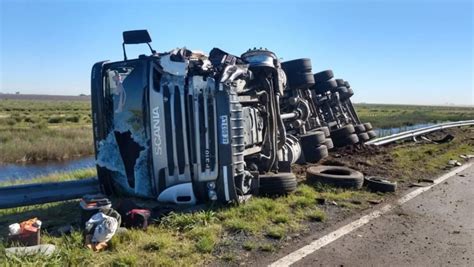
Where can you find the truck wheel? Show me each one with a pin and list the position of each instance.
(340, 82)
(378, 184)
(323, 76)
(372, 134)
(300, 65)
(323, 87)
(335, 175)
(277, 184)
(325, 130)
(315, 154)
(342, 132)
(346, 141)
(368, 126)
(328, 143)
(359, 128)
(363, 137)
(312, 138)
(300, 80)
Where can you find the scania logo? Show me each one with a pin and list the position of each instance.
(155, 117)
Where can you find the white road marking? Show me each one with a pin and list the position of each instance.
(333, 236)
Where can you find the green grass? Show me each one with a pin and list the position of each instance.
(42, 130)
(182, 238)
(388, 116)
(417, 161)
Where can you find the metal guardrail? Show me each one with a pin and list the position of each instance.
(417, 132)
(39, 193)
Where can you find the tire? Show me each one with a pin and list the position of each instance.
(277, 184)
(312, 138)
(323, 87)
(346, 84)
(328, 143)
(340, 82)
(342, 132)
(315, 154)
(324, 129)
(300, 80)
(301, 65)
(368, 126)
(348, 93)
(372, 134)
(359, 128)
(335, 175)
(378, 184)
(323, 76)
(363, 137)
(346, 141)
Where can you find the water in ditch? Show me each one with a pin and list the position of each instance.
(29, 171)
(381, 132)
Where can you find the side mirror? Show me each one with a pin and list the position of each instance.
(136, 37)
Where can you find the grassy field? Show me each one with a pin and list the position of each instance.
(388, 116)
(58, 129)
(39, 130)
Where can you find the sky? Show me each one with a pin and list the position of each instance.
(391, 51)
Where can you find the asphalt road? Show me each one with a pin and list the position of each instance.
(434, 229)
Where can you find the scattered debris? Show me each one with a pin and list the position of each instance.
(422, 184)
(446, 139)
(44, 249)
(470, 156)
(378, 184)
(100, 228)
(453, 163)
(137, 218)
(375, 201)
(26, 233)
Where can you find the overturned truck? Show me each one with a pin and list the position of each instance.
(184, 127)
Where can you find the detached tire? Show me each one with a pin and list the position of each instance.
(335, 175)
(346, 83)
(363, 137)
(372, 134)
(277, 184)
(342, 132)
(368, 126)
(378, 184)
(323, 76)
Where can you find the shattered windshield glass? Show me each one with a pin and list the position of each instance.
(124, 152)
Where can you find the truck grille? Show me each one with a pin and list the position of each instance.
(189, 132)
